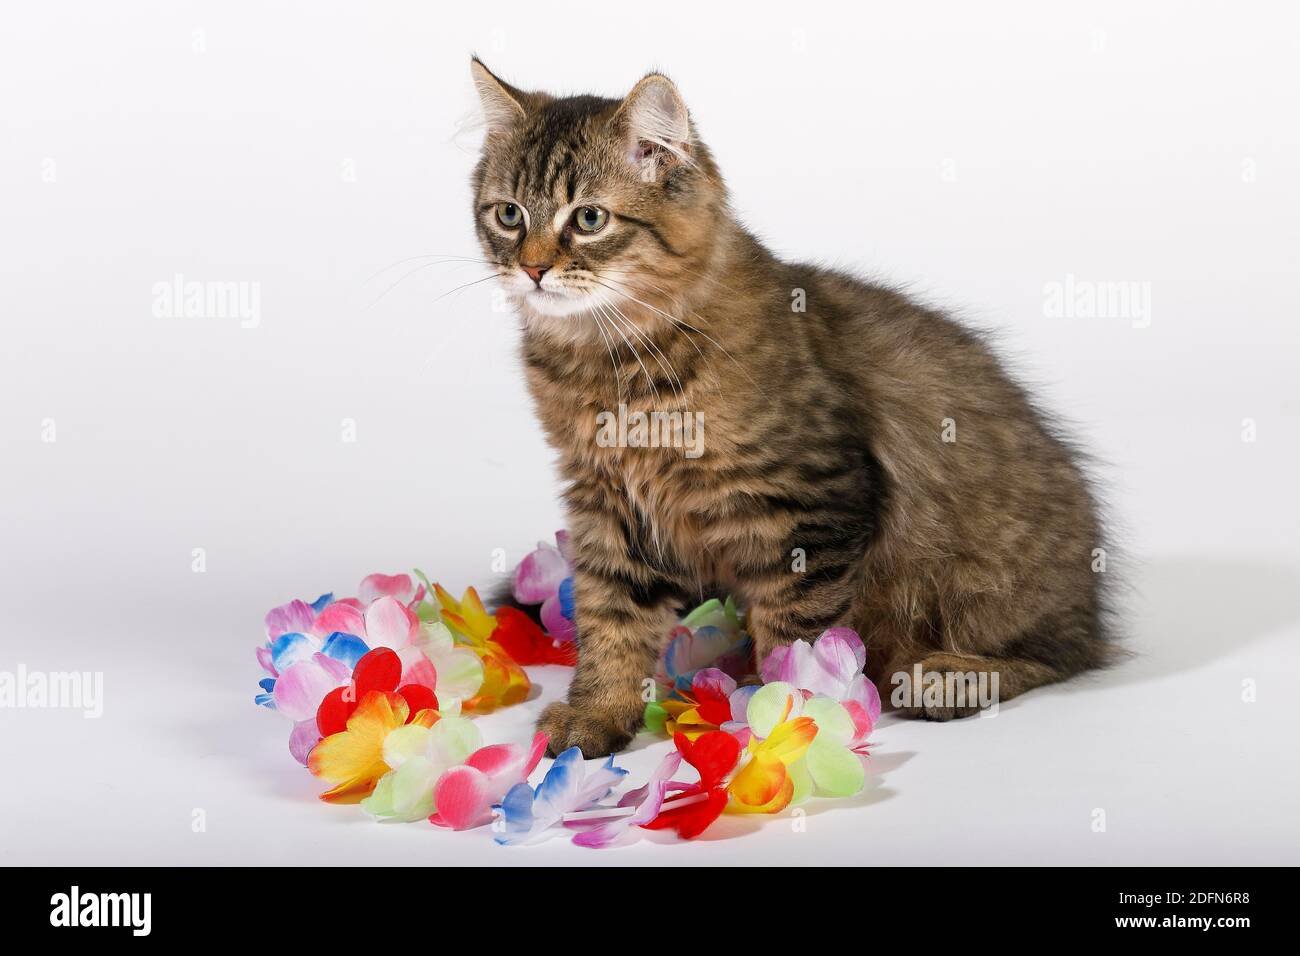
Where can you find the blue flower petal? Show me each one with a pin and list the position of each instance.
(267, 684)
(322, 602)
(290, 649)
(345, 648)
(516, 812)
(566, 597)
(265, 700)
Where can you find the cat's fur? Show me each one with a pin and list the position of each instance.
(830, 490)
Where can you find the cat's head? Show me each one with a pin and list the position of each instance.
(584, 203)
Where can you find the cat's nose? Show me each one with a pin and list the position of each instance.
(536, 272)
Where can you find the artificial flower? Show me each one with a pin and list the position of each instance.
(765, 783)
(704, 707)
(710, 636)
(645, 802)
(504, 681)
(833, 767)
(307, 658)
(418, 756)
(525, 642)
(459, 669)
(831, 666)
(352, 761)
(528, 815)
(398, 586)
(714, 756)
(464, 795)
(379, 670)
(545, 577)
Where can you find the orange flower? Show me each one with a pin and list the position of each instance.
(353, 760)
(504, 681)
(765, 784)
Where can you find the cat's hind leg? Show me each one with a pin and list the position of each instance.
(942, 685)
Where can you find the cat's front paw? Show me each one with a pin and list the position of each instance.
(567, 726)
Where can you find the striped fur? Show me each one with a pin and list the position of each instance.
(826, 493)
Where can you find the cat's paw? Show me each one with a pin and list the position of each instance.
(941, 704)
(567, 726)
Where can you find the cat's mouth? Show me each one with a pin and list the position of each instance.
(555, 302)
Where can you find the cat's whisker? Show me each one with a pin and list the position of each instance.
(649, 378)
(695, 345)
(674, 319)
(461, 288)
(609, 347)
(431, 255)
(673, 378)
(420, 268)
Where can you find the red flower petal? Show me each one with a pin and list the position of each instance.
(713, 754)
(334, 711)
(418, 697)
(526, 643)
(690, 821)
(380, 669)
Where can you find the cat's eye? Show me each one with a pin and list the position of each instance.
(509, 215)
(590, 218)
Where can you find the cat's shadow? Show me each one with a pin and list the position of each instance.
(1175, 614)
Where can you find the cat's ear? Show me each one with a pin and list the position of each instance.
(503, 105)
(654, 124)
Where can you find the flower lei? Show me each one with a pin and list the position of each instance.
(380, 687)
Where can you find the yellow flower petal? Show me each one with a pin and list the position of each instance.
(353, 760)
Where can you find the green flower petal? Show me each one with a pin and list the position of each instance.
(833, 721)
(837, 771)
(803, 781)
(768, 705)
(452, 740)
(404, 743)
(655, 717)
(405, 793)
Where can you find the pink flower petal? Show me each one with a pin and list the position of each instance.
(264, 658)
(563, 545)
(302, 738)
(336, 669)
(863, 692)
(841, 653)
(386, 585)
(339, 617)
(293, 618)
(300, 689)
(773, 664)
(712, 683)
(649, 800)
(534, 754)
(539, 575)
(417, 668)
(556, 625)
(464, 798)
(497, 759)
(389, 624)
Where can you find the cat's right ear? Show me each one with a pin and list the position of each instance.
(503, 105)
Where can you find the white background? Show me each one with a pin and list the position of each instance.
(974, 152)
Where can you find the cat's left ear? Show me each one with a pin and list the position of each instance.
(503, 105)
(654, 124)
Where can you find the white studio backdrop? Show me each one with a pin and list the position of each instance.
(351, 410)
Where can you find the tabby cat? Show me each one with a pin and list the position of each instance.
(864, 460)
